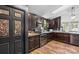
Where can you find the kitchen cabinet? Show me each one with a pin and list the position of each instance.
(33, 42)
(55, 23)
(50, 37)
(32, 22)
(4, 29)
(62, 37)
(11, 30)
(43, 39)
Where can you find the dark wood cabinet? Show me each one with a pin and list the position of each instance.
(4, 48)
(18, 27)
(4, 29)
(51, 24)
(43, 39)
(50, 37)
(32, 22)
(62, 37)
(11, 29)
(55, 23)
(33, 42)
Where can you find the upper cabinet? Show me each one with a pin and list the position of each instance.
(4, 12)
(55, 23)
(36, 22)
(32, 22)
(18, 13)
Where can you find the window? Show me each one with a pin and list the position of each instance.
(74, 26)
(65, 26)
(70, 26)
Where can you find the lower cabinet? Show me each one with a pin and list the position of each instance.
(18, 47)
(4, 48)
(62, 37)
(50, 37)
(34, 42)
(43, 39)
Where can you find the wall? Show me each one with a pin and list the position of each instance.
(66, 16)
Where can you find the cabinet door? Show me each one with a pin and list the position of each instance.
(36, 41)
(55, 23)
(29, 21)
(11, 30)
(67, 38)
(18, 30)
(51, 24)
(4, 29)
(32, 22)
(31, 44)
(18, 46)
(50, 36)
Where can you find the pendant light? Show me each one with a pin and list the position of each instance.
(73, 13)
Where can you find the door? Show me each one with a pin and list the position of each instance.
(5, 33)
(11, 30)
(18, 27)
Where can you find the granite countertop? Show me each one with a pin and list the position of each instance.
(32, 34)
(61, 32)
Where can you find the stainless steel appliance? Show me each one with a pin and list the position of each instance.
(74, 39)
(43, 39)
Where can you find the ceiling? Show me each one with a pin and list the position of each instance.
(48, 11)
(42, 10)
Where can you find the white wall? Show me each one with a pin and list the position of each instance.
(66, 14)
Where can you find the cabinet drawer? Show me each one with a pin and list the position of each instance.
(31, 44)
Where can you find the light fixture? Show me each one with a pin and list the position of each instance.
(73, 13)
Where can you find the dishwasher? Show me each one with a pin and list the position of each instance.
(43, 39)
(74, 39)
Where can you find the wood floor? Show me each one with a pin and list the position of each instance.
(55, 47)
